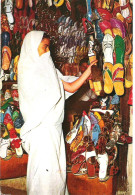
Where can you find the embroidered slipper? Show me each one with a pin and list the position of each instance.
(118, 24)
(58, 3)
(108, 4)
(130, 99)
(16, 59)
(68, 5)
(9, 10)
(126, 10)
(128, 45)
(105, 27)
(119, 47)
(88, 26)
(6, 57)
(129, 73)
(19, 4)
(107, 77)
(5, 39)
(104, 14)
(118, 80)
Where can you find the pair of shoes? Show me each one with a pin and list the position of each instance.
(113, 74)
(113, 27)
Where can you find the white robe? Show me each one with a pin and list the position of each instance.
(41, 99)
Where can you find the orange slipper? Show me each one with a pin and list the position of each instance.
(129, 73)
(118, 74)
(6, 57)
(107, 76)
(16, 59)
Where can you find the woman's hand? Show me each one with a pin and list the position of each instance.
(74, 86)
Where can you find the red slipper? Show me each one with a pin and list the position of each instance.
(19, 4)
(77, 164)
(104, 25)
(105, 14)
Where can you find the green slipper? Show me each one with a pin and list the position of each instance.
(119, 46)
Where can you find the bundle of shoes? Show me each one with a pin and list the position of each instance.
(110, 22)
(11, 121)
(17, 19)
(92, 143)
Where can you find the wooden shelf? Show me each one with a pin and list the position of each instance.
(14, 167)
(82, 185)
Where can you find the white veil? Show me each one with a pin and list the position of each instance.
(38, 83)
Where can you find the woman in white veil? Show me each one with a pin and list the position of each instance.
(42, 93)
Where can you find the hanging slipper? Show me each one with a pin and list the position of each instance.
(104, 14)
(16, 59)
(119, 46)
(88, 26)
(9, 10)
(129, 72)
(6, 57)
(105, 27)
(68, 5)
(126, 10)
(128, 45)
(5, 39)
(118, 70)
(107, 76)
(118, 24)
(97, 79)
(19, 4)
(130, 99)
(58, 3)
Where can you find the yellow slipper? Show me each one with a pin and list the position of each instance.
(107, 76)
(117, 77)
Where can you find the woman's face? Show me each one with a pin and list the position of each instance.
(44, 46)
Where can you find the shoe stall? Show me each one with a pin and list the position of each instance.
(98, 117)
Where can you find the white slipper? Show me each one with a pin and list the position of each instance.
(108, 47)
(125, 12)
(103, 164)
(8, 10)
(4, 144)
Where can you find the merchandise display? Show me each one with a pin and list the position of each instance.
(81, 32)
